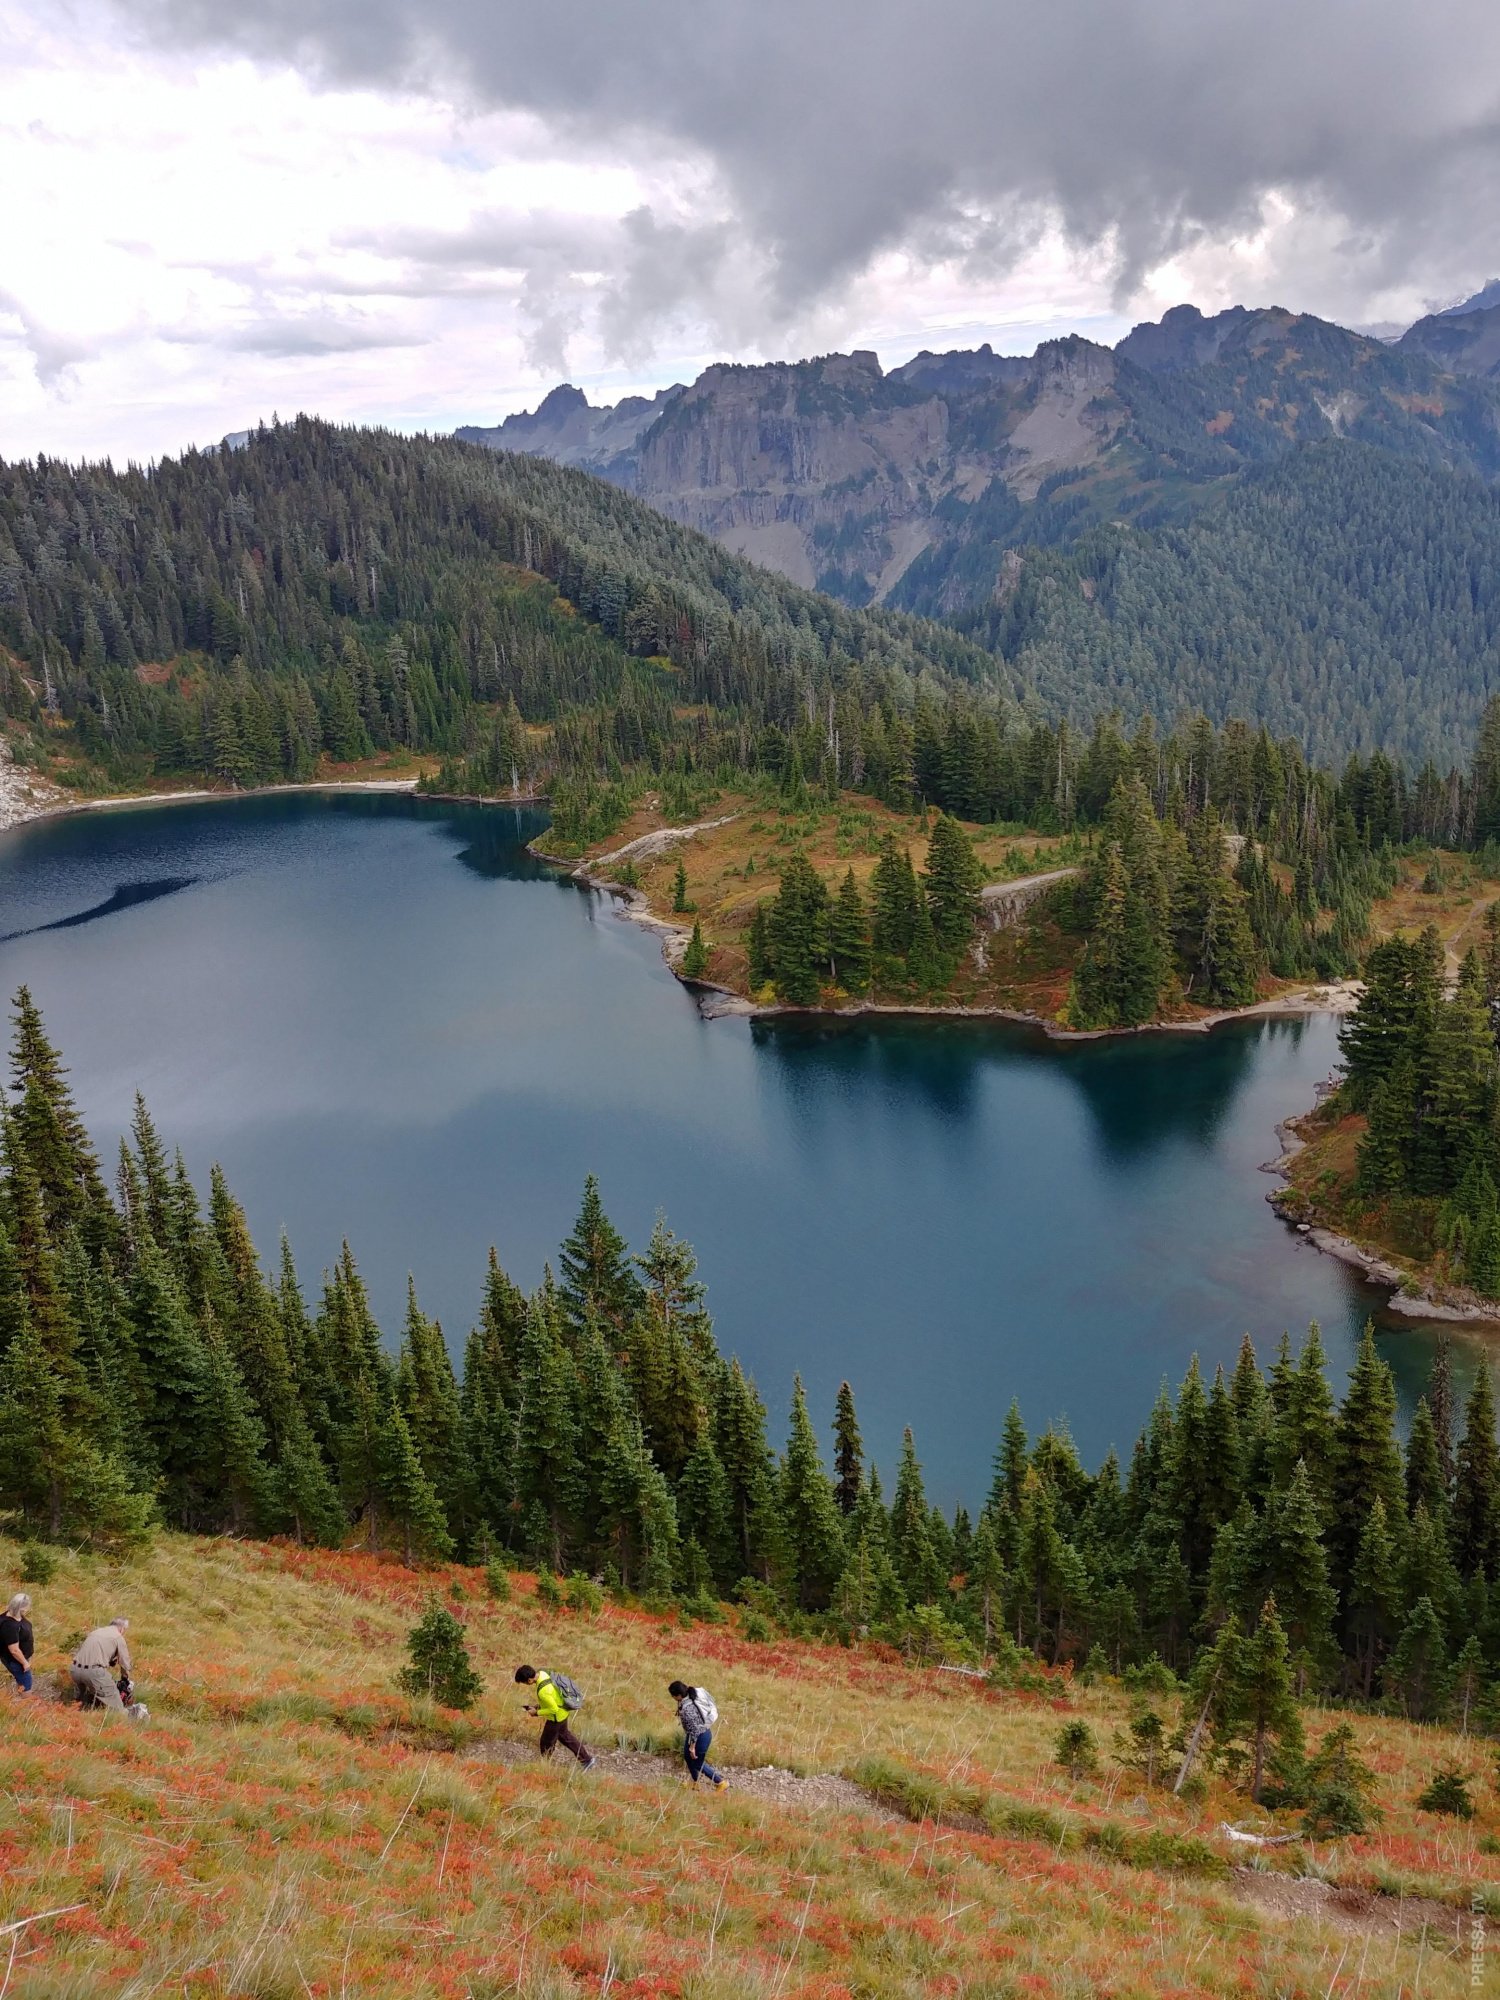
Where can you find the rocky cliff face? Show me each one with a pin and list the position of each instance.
(1462, 343)
(877, 486)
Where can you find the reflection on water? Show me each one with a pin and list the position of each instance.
(429, 1058)
(125, 897)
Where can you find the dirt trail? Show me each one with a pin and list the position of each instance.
(782, 1788)
(1283, 1898)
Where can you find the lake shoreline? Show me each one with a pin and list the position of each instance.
(1330, 997)
(23, 801)
(1432, 1304)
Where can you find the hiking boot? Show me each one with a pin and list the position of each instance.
(721, 1784)
(588, 1764)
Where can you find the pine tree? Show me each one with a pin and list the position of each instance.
(1416, 1674)
(813, 1527)
(895, 898)
(679, 888)
(915, 1559)
(1372, 1598)
(951, 882)
(849, 937)
(1297, 1573)
(796, 931)
(1264, 1706)
(1367, 1459)
(1425, 1483)
(1440, 1401)
(1383, 1166)
(545, 1452)
(596, 1266)
(1476, 1488)
(427, 1393)
(1012, 1457)
(985, 1583)
(440, 1668)
(1467, 1683)
(407, 1496)
(924, 962)
(848, 1453)
(704, 1511)
(695, 957)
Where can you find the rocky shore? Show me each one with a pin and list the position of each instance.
(1409, 1296)
(23, 794)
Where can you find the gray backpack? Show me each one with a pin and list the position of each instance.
(571, 1692)
(708, 1708)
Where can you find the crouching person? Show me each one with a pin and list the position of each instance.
(102, 1658)
(554, 1711)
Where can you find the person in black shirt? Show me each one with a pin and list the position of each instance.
(16, 1641)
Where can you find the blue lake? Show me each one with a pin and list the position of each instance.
(388, 1022)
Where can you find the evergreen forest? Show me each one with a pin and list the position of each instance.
(153, 1372)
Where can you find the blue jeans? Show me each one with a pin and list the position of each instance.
(19, 1674)
(695, 1756)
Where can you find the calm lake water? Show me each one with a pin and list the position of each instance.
(388, 1022)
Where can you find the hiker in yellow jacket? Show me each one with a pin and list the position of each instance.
(554, 1711)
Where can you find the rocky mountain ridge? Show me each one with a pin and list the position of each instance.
(911, 485)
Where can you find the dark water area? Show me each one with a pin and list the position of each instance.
(387, 1021)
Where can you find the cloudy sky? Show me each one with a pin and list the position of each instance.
(426, 212)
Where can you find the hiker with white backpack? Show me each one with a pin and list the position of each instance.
(698, 1712)
(557, 1698)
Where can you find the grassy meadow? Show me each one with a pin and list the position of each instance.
(288, 1824)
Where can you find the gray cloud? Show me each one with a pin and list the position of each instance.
(286, 338)
(53, 354)
(839, 128)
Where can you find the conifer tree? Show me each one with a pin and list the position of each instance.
(1372, 1597)
(1440, 1401)
(703, 1511)
(849, 937)
(812, 1523)
(1416, 1674)
(1264, 1706)
(177, 1383)
(695, 956)
(924, 963)
(912, 1552)
(1012, 1455)
(407, 1496)
(740, 1439)
(951, 883)
(1382, 1161)
(797, 928)
(1476, 1487)
(1296, 1571)
(440, 1669)
(1425, 1483)
(848, 1453)
(985, 1583)
(52, 1134)
(1467, 1682)
(1367, 1459)
(596, 1265)
(545, 1453)
(895, 898)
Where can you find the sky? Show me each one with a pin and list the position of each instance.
(427, 214)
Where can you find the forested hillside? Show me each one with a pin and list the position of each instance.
(323, 591)
(1339, 595)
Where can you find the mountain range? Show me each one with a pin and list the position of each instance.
(1256, 510)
